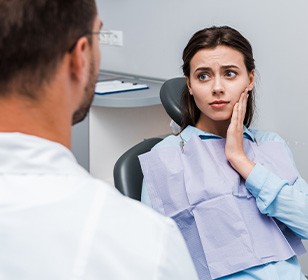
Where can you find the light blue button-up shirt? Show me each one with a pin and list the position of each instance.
(274, 197)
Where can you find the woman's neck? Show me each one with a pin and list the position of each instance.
(215, 127)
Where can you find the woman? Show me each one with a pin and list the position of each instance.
(234, 192)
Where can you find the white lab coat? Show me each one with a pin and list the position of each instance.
(57, 222)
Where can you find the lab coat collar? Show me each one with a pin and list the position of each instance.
(27, 154)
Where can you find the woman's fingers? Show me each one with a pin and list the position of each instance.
(235, 115)
(242, 106)
(234, 143)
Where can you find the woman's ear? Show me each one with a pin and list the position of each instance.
(188, 85)
(251, 80)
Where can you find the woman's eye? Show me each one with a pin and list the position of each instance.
(231, 74)
(203, 77)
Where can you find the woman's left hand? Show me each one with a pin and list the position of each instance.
(234, 141)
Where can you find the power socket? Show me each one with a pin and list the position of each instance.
(112, 37)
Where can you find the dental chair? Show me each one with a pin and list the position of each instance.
(127, 172)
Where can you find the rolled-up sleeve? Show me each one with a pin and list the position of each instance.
(276, 198)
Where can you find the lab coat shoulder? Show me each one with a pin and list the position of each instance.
(137, 242)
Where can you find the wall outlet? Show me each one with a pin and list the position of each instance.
(112, 37)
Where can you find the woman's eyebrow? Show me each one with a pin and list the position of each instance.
(223, 67)
(229, 66)
(203, 69)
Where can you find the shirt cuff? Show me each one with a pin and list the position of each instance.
(264, 186)
(256, 179)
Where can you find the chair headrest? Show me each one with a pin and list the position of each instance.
(170, 96)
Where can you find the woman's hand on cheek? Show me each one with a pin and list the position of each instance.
(234, 141)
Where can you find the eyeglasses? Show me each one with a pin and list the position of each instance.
(101, 37)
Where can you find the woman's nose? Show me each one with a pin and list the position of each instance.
(218, 87)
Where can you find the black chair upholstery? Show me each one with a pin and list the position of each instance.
(127, 172)
(170, 96)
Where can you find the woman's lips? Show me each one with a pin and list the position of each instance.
(218, 104)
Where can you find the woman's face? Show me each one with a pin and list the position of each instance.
(217, 78)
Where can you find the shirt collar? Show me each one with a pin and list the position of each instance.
(248, 134)
(191, 130)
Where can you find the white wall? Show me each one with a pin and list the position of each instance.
(155, 33)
